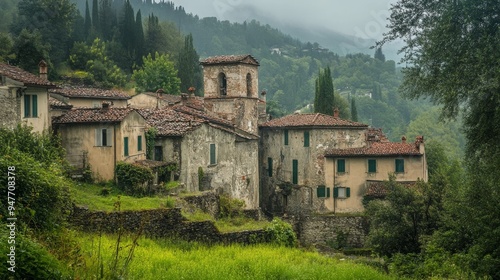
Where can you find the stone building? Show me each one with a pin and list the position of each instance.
(101, 137)
(24, 97)
(84, 97)
(231, 89)
(153, 100)
(292, 158)
(210, 153)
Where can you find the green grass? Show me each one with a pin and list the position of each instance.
(89, 195)
(170, 259)
(239, 224)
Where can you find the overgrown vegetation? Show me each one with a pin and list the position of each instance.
(133, 179)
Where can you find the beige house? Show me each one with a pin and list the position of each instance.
(352, 173)
(57, 107)
(84, 97)
(210, 153)
(24, 98)
(100, 137)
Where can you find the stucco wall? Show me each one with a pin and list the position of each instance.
(144, 101)
(132, 126)
(311, 164)
(94, 102)
(357, 174)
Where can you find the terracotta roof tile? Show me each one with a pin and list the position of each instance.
(93, 115)
(169, 122)
(57, 104)
(230, 59)
(25, 77)
(84, 92)
(378, 149)
(311, 120)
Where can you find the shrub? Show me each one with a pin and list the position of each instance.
(230, 207)
(132, 178)
(281, 233)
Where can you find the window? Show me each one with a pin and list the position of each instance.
(372, 166)
(295, 171)
(158, 153)
(400, 165)
(340, 165)
(286, 137)
(222, 84)
(341, 192)
(30, 106)
(323, 191)
(103, 137)
(306, 138)
(139, 143)
(249, 85)
(125, 146)
(213, 159)
(270, 167)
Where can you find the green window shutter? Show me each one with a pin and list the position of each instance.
(400, 165)
(109, 136)
(372, 165)
(125, 146)
(340, 165)
(335, 192)
(139, 143)
(286, 136)
(213, 159)
(27, 106)
(321, 191)
(295, 172)
(347, 192)
(306, 138)
(270, 167)
(327, 192)
(98, 137)
(35, 106)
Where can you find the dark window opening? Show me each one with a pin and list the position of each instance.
(222, 84)
(249, 85)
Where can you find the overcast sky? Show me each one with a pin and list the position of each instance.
(361, 18)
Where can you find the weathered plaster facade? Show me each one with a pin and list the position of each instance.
(79, 139)
(236, 162)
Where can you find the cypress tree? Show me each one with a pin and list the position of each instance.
(95, 16)
(88, 21)
(354, 110)
(139, 38)
(324, 98)
(127, 29)
(189, 66)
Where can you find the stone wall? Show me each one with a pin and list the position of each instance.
(159, 223)
(9, 108)
(320, 230)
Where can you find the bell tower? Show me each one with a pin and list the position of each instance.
(231, 89)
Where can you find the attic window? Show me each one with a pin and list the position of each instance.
(222, 84)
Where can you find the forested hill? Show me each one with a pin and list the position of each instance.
(104, 41)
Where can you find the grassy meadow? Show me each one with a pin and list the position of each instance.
(168, 259)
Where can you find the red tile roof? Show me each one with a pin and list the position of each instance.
(169, 122)
(378, 149)
(231, 59)
(22, 76)
(83, 92)
(57, 104)
(310, 120)
(93, 115)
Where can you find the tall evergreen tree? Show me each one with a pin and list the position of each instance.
(88, 21)
(354, 110)
(106, 19)
(324, 98)
(155, 39)
(95, 16)
(127, 29)
(139, 38)
(189, 66)
(379, 55)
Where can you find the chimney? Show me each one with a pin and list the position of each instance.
(336, 112)
(184, 98)
(403, 139)
(191, 91)
(43, 69)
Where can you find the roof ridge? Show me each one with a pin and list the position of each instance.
(315, 118)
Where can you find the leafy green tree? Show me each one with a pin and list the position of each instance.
(29, 50)
(189, 66)
(6, 52)
(157, 73)
(449, 50)
(324, 98)
(53, 19)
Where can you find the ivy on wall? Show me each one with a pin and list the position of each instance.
(150, 142)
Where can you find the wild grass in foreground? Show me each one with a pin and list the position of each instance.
(169, 259)
(97, 197)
